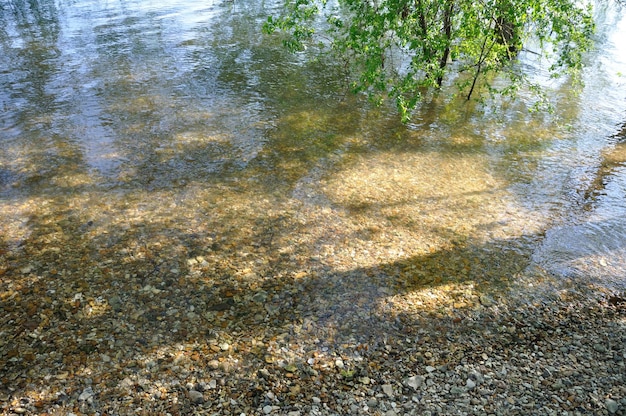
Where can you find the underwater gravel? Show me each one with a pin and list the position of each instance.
(118, 304)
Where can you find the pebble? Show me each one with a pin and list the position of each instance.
(414, 381)
(86, 394)
(599, 348)
(195, 396)
(486, 300)
(260, 297)
(365, 380)
(611, 405)
(387, 389)
(470, 384)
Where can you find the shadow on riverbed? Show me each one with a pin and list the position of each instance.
(222, 277)
(147, 314)
(82, 298)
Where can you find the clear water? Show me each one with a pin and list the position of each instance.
(178, 130)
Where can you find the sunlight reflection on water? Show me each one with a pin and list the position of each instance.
(148, 119)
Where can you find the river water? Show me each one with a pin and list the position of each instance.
(176, 133)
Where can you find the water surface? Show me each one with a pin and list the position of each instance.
(135, 133)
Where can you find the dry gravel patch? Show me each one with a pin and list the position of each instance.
(304, 345)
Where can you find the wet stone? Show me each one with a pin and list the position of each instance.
(260, 297)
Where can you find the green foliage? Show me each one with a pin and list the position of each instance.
(399, 49)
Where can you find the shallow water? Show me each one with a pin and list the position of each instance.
(132, 129)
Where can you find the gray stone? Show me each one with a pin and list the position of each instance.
(477, 377)
(599, 348)
(260, 297)
(611, 405)
(116, 303)
(372, 402)
(86, 394)
(414, 381)
(387, 389)
(195, 396)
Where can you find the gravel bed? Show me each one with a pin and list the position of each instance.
(218, 302)
(335, 345)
